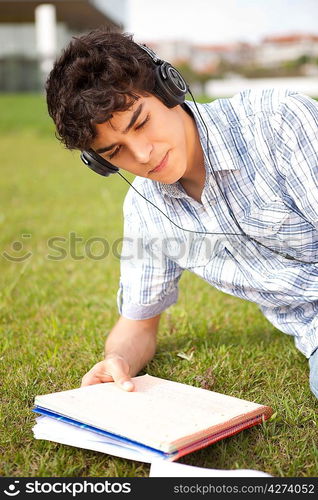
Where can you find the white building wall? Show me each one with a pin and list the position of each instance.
(171, 51)
(275, 53)
(19, 39)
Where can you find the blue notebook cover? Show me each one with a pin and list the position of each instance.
(121, 440)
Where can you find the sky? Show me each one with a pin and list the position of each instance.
(219, 21)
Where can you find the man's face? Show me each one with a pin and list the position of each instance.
(149, 140)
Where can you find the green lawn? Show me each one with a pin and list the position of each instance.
(55, 315)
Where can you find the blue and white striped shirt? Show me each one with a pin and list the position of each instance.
(263, 149)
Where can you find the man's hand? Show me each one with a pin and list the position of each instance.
(114, 368)
(129, 346)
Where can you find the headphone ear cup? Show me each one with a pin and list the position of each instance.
(170, 85)
(98, 164)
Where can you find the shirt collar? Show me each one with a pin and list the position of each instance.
(221, 140)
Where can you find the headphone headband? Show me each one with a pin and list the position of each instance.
(150, 52)
(170, 85)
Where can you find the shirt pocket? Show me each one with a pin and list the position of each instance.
(262, 223)
(265, 221)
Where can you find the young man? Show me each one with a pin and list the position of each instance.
(231, 192)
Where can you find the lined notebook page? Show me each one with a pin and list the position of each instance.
(158, 413)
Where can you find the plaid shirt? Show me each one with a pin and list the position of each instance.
(263, 149)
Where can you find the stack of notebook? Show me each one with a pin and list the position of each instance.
(159, 419)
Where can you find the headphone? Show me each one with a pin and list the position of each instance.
(170, 88)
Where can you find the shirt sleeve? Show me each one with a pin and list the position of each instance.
(297, 147)
(148, 278)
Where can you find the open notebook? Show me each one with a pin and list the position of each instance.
(159, 419)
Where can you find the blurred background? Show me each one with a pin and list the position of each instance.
(221, 46)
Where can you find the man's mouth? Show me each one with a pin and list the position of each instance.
(161, 165)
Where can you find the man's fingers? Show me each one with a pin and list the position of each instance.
(93, 378)
(96, 375)
(127, 385)
(119, 369)
(110, 370)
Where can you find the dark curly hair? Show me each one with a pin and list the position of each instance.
(97, 74)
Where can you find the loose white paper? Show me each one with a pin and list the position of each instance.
(64, 433)
(160, 468)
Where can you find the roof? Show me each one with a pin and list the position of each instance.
(216, 48)
(292, 38)
(79, 15)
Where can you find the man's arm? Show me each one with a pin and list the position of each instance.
(130, 345)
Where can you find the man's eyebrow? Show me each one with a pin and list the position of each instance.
(106, 148)
(133, 120)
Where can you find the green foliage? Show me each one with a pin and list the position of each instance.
(54, 315)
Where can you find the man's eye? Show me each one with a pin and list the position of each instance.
(143, 123)
(139, 127)
(114, 153)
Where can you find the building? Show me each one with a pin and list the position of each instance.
(174, 51)
(20, 64)
(203, 58)
(274, 50)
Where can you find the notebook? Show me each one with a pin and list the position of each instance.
(160, 418)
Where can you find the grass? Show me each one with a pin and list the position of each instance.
(55, 315)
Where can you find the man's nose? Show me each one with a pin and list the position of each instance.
(141, 150)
